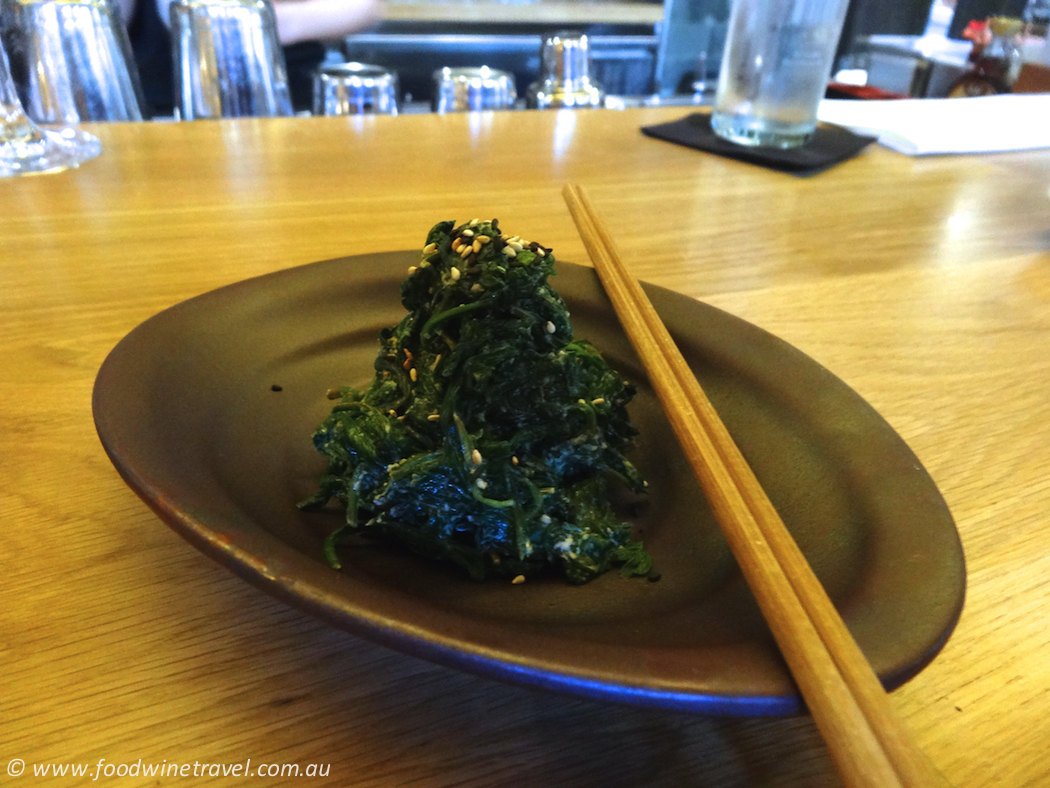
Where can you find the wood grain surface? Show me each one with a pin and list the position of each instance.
(923, 283)
(558, 12)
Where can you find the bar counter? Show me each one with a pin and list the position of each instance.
(924, 284)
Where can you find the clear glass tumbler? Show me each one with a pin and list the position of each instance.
(775, 70)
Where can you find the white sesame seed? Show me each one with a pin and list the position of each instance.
(517, 247)
(518, 580)
(551, 328)
(476, 457)
(482, 484)
(476, 288)
(509, 251)
(411, 270)
(468, 233)
(413, 374)
(392, 412)
(465, 250)
(430, 248)
(514, 460)
(483, 239)
(540, 253)
(598, 401)
(546, 519)
(433, 417)
(454, 273)
(474, 222)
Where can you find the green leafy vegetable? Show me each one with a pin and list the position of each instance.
(489, 435)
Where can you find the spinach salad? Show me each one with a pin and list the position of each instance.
(489, 436)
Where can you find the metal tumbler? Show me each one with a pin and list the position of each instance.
(466, 89)
(71, 61)
(228, 60)
(355, 89)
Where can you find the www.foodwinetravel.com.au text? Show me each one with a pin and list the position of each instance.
(105, 769)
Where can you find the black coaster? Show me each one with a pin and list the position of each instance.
(829, 145)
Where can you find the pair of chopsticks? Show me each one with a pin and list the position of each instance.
(866, 739)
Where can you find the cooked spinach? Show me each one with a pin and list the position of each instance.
(489, 435)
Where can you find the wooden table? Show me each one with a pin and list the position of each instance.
(923, 283)
(551, 12)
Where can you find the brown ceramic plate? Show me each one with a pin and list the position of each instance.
(187, 409)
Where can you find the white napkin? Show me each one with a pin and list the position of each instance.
(918, 127)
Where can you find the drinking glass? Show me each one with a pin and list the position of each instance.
(26, 148)
(355, 89)
(71, 61)
(775, 69)
(472, 89)
(228, 60)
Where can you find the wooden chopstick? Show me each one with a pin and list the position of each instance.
(867, 740)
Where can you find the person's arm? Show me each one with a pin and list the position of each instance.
(308, 20)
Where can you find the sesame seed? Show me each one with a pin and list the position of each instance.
(392, 412)
(482, 484)
(454, 273)
(546, 519)
(483, 239)
(598, 401)
(456, 244)
(433, 417)
(518, 580)
(465, 250)
(411, 270)
(514, 460)
(413, 374)
(468, 233)
(474, 222)
(476, 246)
(540, 253)
(476, 288)
(430, 248)
(509, 251)
(517, 247)
(476, 457)
(551, 328)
